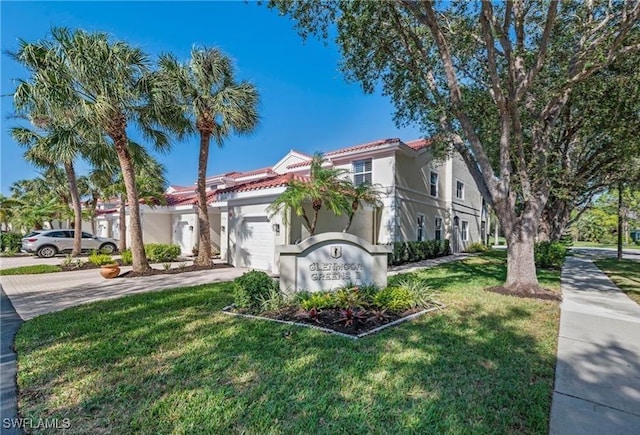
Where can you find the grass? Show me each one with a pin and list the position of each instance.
(624, 273)
(31, 270)
(170, 362)
(604, 245)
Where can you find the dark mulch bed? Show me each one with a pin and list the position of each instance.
(193, 268)
(522, 292)
(332, 318)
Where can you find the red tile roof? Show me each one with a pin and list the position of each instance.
(419, 144)
(365, 146)
(277, 181)
(266, 170)
(362, 147)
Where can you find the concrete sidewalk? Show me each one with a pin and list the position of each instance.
(9, 324)
(597, 382)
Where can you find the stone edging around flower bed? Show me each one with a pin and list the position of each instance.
(226, 309)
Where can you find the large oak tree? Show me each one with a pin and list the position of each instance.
(527, 57)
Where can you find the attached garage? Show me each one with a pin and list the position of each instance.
(255, 244)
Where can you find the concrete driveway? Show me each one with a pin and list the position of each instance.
(31, 260)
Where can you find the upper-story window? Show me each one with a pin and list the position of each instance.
(459, 190)
(433, 184)
(362, 172)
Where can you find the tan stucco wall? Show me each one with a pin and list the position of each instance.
(470, 208)
(214, 229)
(156, 227)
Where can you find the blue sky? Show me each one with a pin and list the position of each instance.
(305, 102)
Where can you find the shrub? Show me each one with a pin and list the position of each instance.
(421, 295)
(477, 247)
(349, 297)
(251, 288)
(273, 300)
(10, 242)
(407, 252)
(550, 255)
(318, 301)
(161, 252)
(100, 259)
(126, 257)
(393, 298)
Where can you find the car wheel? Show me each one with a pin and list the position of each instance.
(47, 251)
(108, 248)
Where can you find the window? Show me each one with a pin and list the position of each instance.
(420, 228)
(438, 226)
(87, 235)
(58, 234)
(459, 190)
(362, 171)
(434, 184)
(464, 232)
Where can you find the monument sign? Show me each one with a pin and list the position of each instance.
(331, 260)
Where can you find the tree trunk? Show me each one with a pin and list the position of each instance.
(77, 209)
(521, 267)
(140, 263)
(620, 218)
(204, 235)
(122, 218)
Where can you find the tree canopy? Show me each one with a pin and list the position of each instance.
(525, 60)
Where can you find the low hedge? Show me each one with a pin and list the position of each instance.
(550, 255)
(161, 252)
(409, 252)
(11, 242)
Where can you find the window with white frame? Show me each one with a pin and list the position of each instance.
(459, 189)
(362, 172)
(420, 228)
(464, 231)
(433, 184)
(438, 228)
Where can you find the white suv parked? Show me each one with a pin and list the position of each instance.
(47, 243)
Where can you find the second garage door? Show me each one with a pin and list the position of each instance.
(255, 244)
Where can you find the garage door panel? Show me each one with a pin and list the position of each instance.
(255, 243)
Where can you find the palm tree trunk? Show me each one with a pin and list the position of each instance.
(140, 263)
(204, 236)
(77, 209)
(122, 219)
(314, 223)
(346, 228)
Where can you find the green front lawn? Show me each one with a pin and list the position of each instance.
(31, 270)
(171, 362)
(604, 245)
(624, 273)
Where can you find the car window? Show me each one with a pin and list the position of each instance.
(32, 233)
(87, 235)
(57, 234)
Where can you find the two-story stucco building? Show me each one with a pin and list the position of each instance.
(423, 199)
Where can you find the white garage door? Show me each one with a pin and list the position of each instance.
(255, 243)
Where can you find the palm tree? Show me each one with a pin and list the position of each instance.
(57, 145)
(8, 208)
(325, 187)
(112, 85)
(217, 106)
(359, 195)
